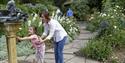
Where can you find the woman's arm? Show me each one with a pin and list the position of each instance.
(52, 28)
(44, 35)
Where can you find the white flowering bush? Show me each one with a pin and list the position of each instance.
(113, 16)
(33, 20)
(111, 33)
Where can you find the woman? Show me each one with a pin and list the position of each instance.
(53, 28)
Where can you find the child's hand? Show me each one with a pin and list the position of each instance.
(18, 37)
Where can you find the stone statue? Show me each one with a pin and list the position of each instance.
(11, 7)
(13, 15)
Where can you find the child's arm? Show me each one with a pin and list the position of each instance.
(25, 38)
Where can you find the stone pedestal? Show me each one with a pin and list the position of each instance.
(11, 30)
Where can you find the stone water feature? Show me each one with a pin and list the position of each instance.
(10, 21)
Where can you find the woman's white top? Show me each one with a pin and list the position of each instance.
(54, 29)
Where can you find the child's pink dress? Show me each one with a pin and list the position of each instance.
(40, 48)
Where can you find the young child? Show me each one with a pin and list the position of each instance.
(37, 43)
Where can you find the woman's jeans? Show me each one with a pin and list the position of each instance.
(58, 50)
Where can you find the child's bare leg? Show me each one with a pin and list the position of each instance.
(34, 61)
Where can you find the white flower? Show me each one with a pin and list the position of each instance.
(115, 10)
(34, 18)
(110, 35)
(35, 15)
(91, 18)
(53, 14)
(58, 11)
(61, 19)
(115, 27)
(116, 57)
(40, 23)
(98, 12)
(29, 22)
(20, 28)
(112, 57)
(108, 14)
(112, 16)
(103, 14)
(117, 6)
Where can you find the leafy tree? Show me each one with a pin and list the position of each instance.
(3, 1)
(95, 4)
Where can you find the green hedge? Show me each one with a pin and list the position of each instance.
(111, 35)
(97, 49)
(80, 9)
(3, 1)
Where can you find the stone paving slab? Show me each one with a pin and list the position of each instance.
(84, 37)
(51, 57)
(49, 61)
(70, 51)
(80, 43)
(91, 61)
(82, 27)
(76, 60)
(85, 32)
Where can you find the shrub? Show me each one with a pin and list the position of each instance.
(35, 1)
(3, 1)
(97, 49)
(3, 55)
(80, 9)
(24, 48)
(36, 8)
(30, 8)
(2, 6)
(95, 4)
(115, 40)
(3, 50)
(113, 16)
(112, 37)
(90, 27)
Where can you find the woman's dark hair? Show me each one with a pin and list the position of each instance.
(45, 14)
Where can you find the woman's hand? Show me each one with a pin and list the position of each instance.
(41, 40)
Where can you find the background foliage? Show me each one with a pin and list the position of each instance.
(109, 23)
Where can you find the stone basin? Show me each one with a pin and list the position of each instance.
(6, 16)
